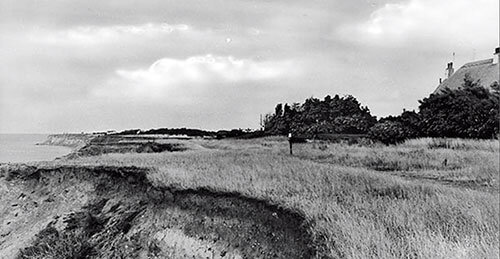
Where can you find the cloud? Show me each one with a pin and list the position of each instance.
(89, 35)
(429, 21)
(88, 64)
(180, 80)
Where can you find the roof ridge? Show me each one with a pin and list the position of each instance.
(478, 63)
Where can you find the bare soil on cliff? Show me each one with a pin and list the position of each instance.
(114, 212)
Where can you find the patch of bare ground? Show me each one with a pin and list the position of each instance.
(114, 212)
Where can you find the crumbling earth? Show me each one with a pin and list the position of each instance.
(115, 212)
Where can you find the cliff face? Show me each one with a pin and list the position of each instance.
(68, 140)
(116, 212)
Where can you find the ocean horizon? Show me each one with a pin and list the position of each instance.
(18, 148)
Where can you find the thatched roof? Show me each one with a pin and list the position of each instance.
(484, 70)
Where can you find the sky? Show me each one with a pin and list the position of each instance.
(92, 65)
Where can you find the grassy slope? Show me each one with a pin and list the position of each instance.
(386, 202)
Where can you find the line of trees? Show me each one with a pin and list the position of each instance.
(315, 116)
(471, 111)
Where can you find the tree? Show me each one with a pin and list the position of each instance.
(409, 121)
(315, 116)
(467, 112)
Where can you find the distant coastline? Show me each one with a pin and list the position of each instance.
(72, 140)
(21, 148)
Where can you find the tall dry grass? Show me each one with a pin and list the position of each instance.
(358, 199)
(454, 161)
(454, 143)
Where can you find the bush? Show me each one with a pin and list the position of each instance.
(471, 111)
(337, 115)
(390, 132)
(468, 112)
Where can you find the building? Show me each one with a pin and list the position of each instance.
(486, 71)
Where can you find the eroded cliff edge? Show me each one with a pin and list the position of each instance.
(108, 212)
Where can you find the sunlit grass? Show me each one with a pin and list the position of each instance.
(360, 199)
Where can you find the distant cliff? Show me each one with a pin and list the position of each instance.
(68, 140)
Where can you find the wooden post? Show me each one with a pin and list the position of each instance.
(290, 142)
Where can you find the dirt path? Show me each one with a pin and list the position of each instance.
(469, 184)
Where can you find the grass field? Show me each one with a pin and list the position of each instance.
(425, 198)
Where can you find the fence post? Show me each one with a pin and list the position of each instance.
(290, 142)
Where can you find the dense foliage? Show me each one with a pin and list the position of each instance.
(394, 129)
(469, 112)
(389, 132)
(343, 115)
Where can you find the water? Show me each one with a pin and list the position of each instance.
(23, 148)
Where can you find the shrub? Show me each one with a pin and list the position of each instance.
(390, 132)
(340, 115)
(468, 112)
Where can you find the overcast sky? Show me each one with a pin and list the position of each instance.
(88, 65)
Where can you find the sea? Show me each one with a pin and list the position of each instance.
(16, 148)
